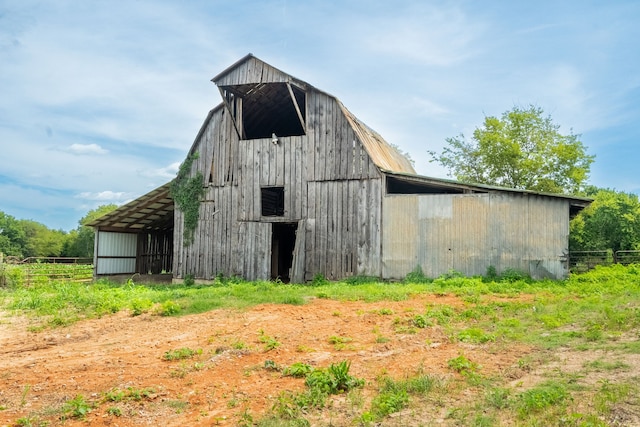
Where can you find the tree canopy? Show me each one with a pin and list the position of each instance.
(523, 149)
(612, 221)
(26, 238)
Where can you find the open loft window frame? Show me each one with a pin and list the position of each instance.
(266, 109)
(272, 201)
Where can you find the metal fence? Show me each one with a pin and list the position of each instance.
(580, 261)
(38, 269)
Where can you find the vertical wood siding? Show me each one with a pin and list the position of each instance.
(469, 233)
(328, 180)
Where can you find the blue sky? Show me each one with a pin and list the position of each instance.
(100, 100)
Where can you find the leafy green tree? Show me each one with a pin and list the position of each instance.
(41, 241)
(12, 236)
(523, 149)
(612, 221)
(81, 240)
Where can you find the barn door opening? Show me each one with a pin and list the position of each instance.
(283, 241)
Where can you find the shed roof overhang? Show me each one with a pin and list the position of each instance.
(152, 211)
(404, 183)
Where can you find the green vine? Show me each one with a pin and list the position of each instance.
(186, 192)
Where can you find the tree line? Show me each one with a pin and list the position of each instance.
(24, 238)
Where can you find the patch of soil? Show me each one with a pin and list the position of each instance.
(40, 371)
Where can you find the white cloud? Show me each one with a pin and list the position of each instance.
(429, 34)
(86, 149)
(105, 196)
(167, 172)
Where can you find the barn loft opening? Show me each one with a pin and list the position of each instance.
(272, 201)
(263, 109)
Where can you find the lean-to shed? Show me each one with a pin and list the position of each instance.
(295, 186)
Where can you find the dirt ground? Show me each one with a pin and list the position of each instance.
(227, 382)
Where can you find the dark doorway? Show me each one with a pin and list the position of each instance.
(283, 242)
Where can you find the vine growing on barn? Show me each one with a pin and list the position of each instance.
(187, 192)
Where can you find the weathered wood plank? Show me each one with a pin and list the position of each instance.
(298, 262)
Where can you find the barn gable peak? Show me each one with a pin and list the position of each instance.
(263, 101)
(266, 102)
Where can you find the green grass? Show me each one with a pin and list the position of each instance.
(597, 310)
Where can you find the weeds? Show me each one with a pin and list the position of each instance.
(78, 407)
(297, 370)
(540, 398)
(181, 353)
(270, 343)
(333, 380)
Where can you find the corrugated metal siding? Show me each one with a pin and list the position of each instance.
(116, 253)
(469, 233)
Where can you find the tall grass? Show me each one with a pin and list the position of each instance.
(595, 304)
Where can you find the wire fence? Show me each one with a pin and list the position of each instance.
(580, 261)
(39, 269)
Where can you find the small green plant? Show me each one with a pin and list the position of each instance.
(179, 372)
(462, 365)
(512, 275)
(169, 308)
(189, 280)
(340, 343)
(380, 339)
(270, 343)
(497, 398)
(416, 276)
(270, 365)
(31, 421)
(389, 402)
(177, 405)
(475, 335)
(541, 397)
(114, 395)
(140, 306)
(23, 397)
(115, 411)
(319, 280)
(287, 410)
(335, 379)
(603, 365)
(297, 370)
(420, 321)
(78, 407)
(181, 353)
(385, 311)
(491, 275)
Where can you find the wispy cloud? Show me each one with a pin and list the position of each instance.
(105, 196)
(86, 149)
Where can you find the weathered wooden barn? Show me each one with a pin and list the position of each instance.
(295, 186)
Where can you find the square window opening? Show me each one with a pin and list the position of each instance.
(272, 201)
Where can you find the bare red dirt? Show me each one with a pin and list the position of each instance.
(40, 371)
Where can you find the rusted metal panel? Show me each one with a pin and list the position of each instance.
(381, 153)
(470, 232)
(115, 253)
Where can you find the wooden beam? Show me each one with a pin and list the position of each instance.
(236, 125)
(297, 107)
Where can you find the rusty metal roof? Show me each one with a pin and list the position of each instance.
(381, 152)
(151, 211)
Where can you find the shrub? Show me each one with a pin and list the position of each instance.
(416, 276)
(333, 380)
